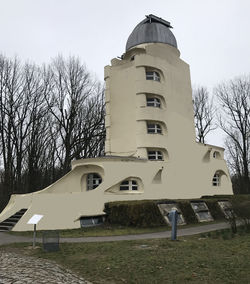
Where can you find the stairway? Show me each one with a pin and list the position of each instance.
(9, 223)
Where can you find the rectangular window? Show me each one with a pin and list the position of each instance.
(153, 102)
(154, 128)
(153, 75)
(129, 185)
(155, 155)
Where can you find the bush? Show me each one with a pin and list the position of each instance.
(215, 209)
(134, 213)
(187, 211)
(145, 213)
(242, 210)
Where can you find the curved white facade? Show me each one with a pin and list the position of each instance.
(151, 152)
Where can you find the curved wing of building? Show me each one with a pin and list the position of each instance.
(151, 151)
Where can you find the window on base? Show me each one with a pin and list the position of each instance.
(155, 155)
(129, 185)
(93, 180)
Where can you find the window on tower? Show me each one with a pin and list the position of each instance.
(216, 155)
(216, 179)
(155, 155)
(153, 75)
(153, 102)
(154, 128)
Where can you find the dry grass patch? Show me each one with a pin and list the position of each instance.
(191, 259)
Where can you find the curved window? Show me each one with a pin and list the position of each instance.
(129, 185)
(93, 180)
(153, 75)
(154, 128)
(155, 155)
(216, 155)
(216, 180)
(153, 102)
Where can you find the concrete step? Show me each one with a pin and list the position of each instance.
(12, 219)
(18, 215)
(5, 228)
(7, 223)
(22, 210)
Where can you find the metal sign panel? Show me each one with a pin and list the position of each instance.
(35, 219)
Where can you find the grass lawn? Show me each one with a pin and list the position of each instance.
(108, 230)
(98, 231)
(196, 259)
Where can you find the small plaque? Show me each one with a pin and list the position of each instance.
(35, 219)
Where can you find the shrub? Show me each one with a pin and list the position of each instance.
(145, 213)
(134, 213)
(187, 211)
(242, 210)
(215, 209)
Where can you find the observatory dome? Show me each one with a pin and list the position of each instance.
(151, 29)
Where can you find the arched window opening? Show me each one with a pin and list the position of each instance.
(93, 181)
(216, 155)
(153, 75)
(153, 102)
(216, 179)
(129, 185)
(154, 128)
(155, 155)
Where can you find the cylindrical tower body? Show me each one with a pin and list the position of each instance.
(149, 111)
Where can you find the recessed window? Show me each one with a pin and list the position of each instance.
(216, 154)
(153, 102)
(155, 155)
(153, 75)
(91, 221)
(93, 180)
(216, 180)
(129, 185)
(154, 128)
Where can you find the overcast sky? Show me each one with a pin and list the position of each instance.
(213, 36)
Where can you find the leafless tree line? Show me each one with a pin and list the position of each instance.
(49, 116)
(233, 117)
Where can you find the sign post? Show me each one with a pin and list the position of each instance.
(34, 221)
(174, 218)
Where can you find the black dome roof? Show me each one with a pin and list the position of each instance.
(151, 29)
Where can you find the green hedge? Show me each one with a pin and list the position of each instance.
(214, 208)
(145, 213)
(187, 211)
(134, 213)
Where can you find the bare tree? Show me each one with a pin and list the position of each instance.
(234, 97)
(48, 117)
(203, 113)
(10, 91)
(75, 105)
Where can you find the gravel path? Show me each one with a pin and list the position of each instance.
(22, 269)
